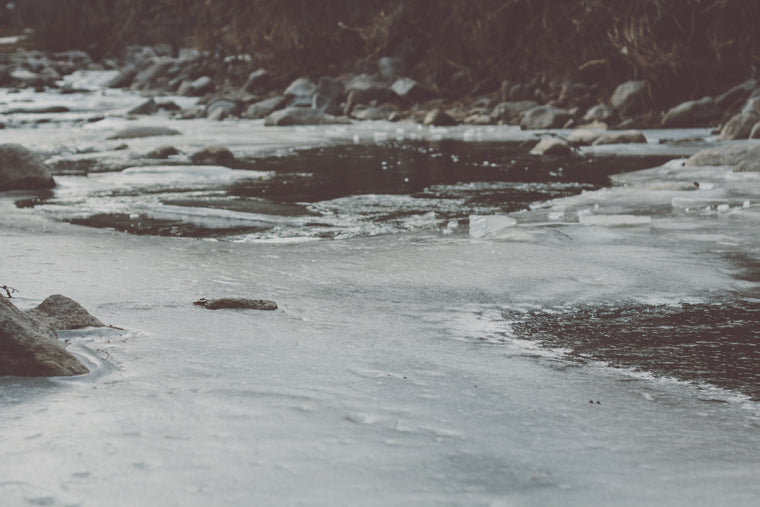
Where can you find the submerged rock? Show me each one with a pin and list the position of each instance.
(21, 169)
(240, 303)
(60, 312)
(30, 348)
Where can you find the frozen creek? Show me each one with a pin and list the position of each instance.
(409, 364)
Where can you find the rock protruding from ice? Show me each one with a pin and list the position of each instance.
(21, 169)
(29, 348)
(236, 303)
(60, 312)
(484, 226)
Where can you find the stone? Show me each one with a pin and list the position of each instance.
(265, 107)
(148, 77)
(236, 303)
(299, 92)
(755, 132)
(21, 169)
(629, 98)
(599, 112)
(162, 152)
(377, 113)
(736, 94)
(583, 137)
(739, 126)
(552, 146)
(390, 67)
(61, 312)
(439, 118)
(146, 131)
(410, 90)
(201, 86)
(147, 107)
(511, 111)
(214, 154)
(620, 137)
(544, 117)
(227, 106)
(302, 116)
(693, 113)
(327, 95)
(29, 348)
(124, 78)
(732, 155)
(259, 81)
(365, 89)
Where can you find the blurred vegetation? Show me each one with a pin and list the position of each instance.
(682, 47)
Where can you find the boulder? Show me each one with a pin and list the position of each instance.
(438, 118)
(693, 113)
(147, 107)
(60, 312)
(201, 86)
(544, 117)
(265, 107)
(146, 131)
(599, 112)
(620, 137)
(365, 89)
(162, 152)
(259, 81)
(327, 95)
(410, 90)
(20, 169)
(382, 112)
(736, 95)
(739, 126)
(301, 116)
(552, 146)
(149, 77)
(124, 78)
(510, 111)
(734, 155)
(390, 67)
(629, 98)
(299, 92)
(214, 154)
(236, 303)
(30, 348)
(223, 107)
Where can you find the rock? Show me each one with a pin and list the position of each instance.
(239, 303)
(214, 154)
(299, 92)
(478, 119)
(390, 68)
(201, 86)
(302, 116)
(259, 81)
(148, 78)
(755, 132)
(147, 107)
(20, 169)
(600, 112)
(168, 105)
(31, 349)
(124, 78)
(620, 137)
(328, 95)
(162, 152)
(364, 89)
(583, 137)
(544, 117)
(552, 146)
(510, 111)
(439, 118)
(146, 131)
(693, 113)
(410, 90)
(376, 113)
(735, 95)
(223, 107)
(739, 126)
(265, 107)
(744, 155)
(629, 98)
(60, 312)
(576, 94)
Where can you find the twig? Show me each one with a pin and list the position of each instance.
(8, 290)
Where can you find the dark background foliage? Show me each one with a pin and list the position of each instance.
(684, 48)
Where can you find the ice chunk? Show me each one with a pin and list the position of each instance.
(482, 226)
(614, 220)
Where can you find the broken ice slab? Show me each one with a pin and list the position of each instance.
(614, 220)
(745, 183)
(482, 226)
(704, 206)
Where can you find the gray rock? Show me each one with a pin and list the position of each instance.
(439, 118)
(544, 117)
(629, 98)
(60, 312)
(30, 348)
(162, 152)
(390, 67)
(511, 111)
(299, 92)
(146, 131)
(224, 107)
(124, 78)
(733, 155)
(265, 107)
(20, 168)
(302, 116)
(214, 154)
(201, 86)
(149, 77)
(693, 113)
(327, 95)
(410, 90)
(735, 95)
(552, 146)
(365, 89)
(584, 137)
(620, 137)
(739, 126)
(755, 132)
(600, 112)
(377, 113)
(236, 303)
(259, 81)
(147, 107)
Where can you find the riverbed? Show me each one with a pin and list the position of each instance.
(578, 356)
